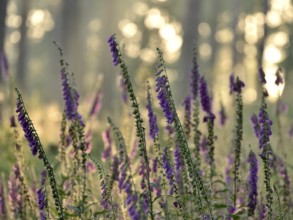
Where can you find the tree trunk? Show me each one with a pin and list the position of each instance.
(71, 37)
(22, 56)
(3, 7)
(190, 39)
(235, 12)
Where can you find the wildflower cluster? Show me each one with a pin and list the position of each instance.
(133, 177)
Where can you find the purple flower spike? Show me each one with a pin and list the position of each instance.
(97, 104)
(255, 124)
(12, 122)
(123, 89)
(26, 125)
(265, 128)
(252, 183)
(290, 132)
(194, 79)
(205, 100)
(279, 77)
(114, 50)
(155, 165)
(204, 96)
(262, 212)
(187, 106)
(223, 115)
(231, 82)
(262, 76)
(187, 116)
(3, 212)
(90, 167)
(235, 85)
(162, 88)
(228, 169)
(154, 130)
(42, 197)
(178, 158)
(71, 98)
(168, 170)
(106, 154)
(281, 108)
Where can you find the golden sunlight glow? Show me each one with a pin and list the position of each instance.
(154, 19)
(273, 90)
(36, 33)
(204, 29)
(48, 23)
(37, 17)
(93, 42)
(274, 19)
(241, 23)
(249, 95)
(250, 30)
(95, 25)
(13, 21)
(39, 22)
(172, 57)
(129, 30)
(224, 36)
(15, 37)
(280, 39)
(11, 7)
(177, 26)
(280, 5)
(288, 14)
(167, 32)
(205, 51)
(272, 54)
(148, 55)
(174, 44)
(240, 46)
(250, 51)
(132, 50)
(260, 18)
(140, 8)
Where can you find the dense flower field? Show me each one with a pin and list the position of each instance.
(170, 171)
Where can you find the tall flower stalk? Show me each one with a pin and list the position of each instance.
(140, 130)
(37, 148)
(76, 128)
(265, 148)
(106, 200)
(154, 134)
(209, 118)
(187, 116)
(168, 107)
(252, 183)
(194, 83)
(236, 87)
(42, 197)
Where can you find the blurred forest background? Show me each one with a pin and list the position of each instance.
(231, 36)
